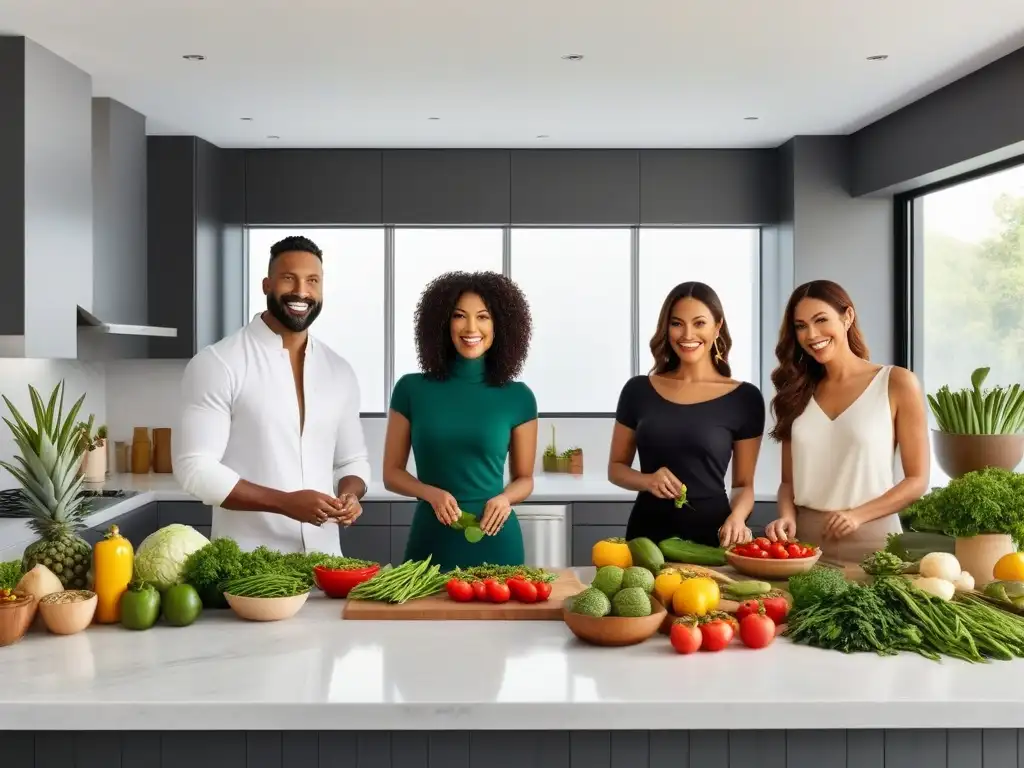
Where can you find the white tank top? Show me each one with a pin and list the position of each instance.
(843, 463)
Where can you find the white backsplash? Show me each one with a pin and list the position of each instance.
(79, 378)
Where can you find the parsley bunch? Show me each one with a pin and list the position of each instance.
(989, 500)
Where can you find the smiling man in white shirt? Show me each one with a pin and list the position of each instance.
(270, 434)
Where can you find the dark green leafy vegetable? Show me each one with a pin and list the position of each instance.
(911, 546)
(883, 564)
(10, 574)
(815, 585)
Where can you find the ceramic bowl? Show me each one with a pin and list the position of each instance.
(769, 569)
(67, 618)
(613, 630)
(335, 582)
(266, 608)
(16, 617)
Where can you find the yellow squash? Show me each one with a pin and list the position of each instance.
(113, 561)
(611, 552)
(696, 597)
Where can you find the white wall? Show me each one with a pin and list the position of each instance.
(79, 378)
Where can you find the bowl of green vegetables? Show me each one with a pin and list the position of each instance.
(266, 596)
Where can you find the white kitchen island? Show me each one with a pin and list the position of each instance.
(316, 690)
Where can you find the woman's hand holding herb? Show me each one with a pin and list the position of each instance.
(664, 484)
(446, 508)
(841, 524)
(496, 512)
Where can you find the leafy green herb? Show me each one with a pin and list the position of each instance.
(502, 573)
(816, 585)
(10, 574)
(987, 500)
(883, 564)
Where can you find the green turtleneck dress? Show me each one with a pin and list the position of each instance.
(461, 430)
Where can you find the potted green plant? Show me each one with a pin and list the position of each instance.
(978, 428)
(94, 450)
(573, 460)
(550, 458)
(983, 510)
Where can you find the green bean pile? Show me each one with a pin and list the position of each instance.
(410, 580)
(266, 585)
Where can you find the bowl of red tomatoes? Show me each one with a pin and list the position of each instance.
(772, 560)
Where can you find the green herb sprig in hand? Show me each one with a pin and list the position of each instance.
(998, 411)
(681, 499)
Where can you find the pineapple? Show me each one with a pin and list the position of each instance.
(48, 469)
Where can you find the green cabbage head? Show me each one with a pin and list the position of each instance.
(161, 556)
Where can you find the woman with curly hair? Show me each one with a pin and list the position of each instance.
(462, 416)
(689, 419)
(840, 419)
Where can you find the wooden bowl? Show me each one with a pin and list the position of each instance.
(266, 608)
(770, 569)
(613, 630)
(16, 617)
(67, 618)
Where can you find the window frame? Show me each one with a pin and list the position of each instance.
(768, 273)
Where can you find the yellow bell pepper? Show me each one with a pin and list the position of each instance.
(665, 586)
(1010, 567)
(696, 597)
(611, 552)
(113, 561)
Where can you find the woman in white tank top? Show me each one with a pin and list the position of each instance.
(840, 419)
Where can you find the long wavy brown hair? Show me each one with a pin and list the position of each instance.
(665, 358)
(798, 374)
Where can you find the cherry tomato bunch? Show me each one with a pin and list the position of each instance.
(498, 591)
(764, 549)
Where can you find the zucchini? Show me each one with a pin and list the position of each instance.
(678, 550)
(646, 555)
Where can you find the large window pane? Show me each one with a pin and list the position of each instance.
(420, 256)
(725, 259)
(972, 310)
(352, 319)
(577, 282)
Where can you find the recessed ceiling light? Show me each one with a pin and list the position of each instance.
(543, 136)
(879, 57)
(573, 57)
(246, 119)
(273, 137)
(194, 57)
(433, 118)
(751, 118)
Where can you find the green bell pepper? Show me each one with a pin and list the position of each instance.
(140, 606)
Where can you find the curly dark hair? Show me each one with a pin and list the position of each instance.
(510, 312)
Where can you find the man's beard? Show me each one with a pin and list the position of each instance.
(296, 323)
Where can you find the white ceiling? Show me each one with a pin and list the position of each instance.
(656, 73)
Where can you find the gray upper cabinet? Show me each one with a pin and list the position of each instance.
(312, 187)
(576, 186)
(438, 186)
(194, 238)
(701, 187)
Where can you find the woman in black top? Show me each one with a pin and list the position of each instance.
(688, 420)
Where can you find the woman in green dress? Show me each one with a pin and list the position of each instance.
(462, 416)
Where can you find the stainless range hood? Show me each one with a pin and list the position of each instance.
(88, 320)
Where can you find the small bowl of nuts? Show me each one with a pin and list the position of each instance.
(17, 610)
(69, 611)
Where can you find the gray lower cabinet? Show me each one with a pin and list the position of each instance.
(367, 542)
(501, 749)
(193, 513)
(134, 526)
(399, 538)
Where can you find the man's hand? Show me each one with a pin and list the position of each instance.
(311, 507)
(350, 510)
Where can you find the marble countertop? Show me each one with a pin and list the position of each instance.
(316, 671)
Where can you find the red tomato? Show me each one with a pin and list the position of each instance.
(795, 550)
(685, 638)
(522, 590)
(543, 590)
(715, 635)
(497, 592)
(762, 554)
(776, 608)
(762, 542)
(778, 551)
(757, 630)
(479, 590)
(459, 590)
(746, 608)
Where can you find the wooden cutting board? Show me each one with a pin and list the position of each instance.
(442, 608)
